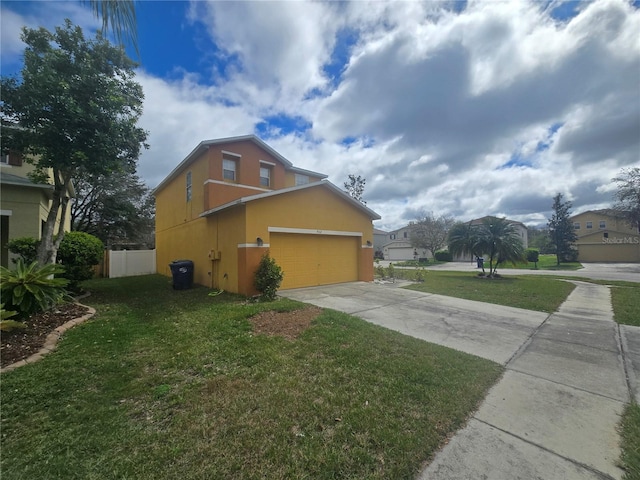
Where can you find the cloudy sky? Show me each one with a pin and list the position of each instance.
(459, 108)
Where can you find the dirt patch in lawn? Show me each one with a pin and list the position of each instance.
(284, 324)
(20, 344)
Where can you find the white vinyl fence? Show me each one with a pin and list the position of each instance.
(127, 263)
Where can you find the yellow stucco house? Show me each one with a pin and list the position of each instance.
(233, 199)
(604, 236)
(24, 205)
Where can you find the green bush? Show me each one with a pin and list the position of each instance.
(533, 255)
(268, 278)
(25, 247)
(391, 271)
(79, 252)
(30, 288)
(443, 256)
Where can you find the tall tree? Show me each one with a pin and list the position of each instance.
(77, 106)
(430, 232)
(116, 208)
(539, 238)
(561, 231)
(355, 187)
(628, 196)
(495, 237)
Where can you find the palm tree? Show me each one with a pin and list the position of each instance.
(496, 237)
(499, 239)
(120, 16)
(462, 240)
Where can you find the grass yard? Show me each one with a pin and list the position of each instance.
(170, 384)
(540, 293)
(625, 298)
(545, 262)
(630, 432)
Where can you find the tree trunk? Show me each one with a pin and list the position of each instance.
(49, 243)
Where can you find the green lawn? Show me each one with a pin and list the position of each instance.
(540, 293)
(625, 297)
(630, 432)
(170, 384)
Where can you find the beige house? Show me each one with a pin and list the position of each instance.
(24, 205)
(604, 236)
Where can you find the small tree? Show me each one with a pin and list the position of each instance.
(25, 247)
(79, 252)
(628, 196)
(430, 232)
(561, 230)
(355, 187)
(533, 256)
(268, 278)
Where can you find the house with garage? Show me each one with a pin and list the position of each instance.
(233, 199)
(605, 236)
(24, 204)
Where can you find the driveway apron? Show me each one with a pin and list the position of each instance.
(554, 413)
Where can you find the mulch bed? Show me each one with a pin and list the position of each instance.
(20, 344)
(284, 324)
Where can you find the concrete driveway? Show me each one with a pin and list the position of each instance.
(555, 412)
(488, 331)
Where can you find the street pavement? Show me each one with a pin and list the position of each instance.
(554, 413)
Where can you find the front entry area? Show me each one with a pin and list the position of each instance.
(310, 260)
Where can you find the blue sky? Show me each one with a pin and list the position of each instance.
(459, 108)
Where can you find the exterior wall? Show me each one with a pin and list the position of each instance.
(615, 241)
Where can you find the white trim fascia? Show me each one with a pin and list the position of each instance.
(6, 213)
(231, 184)
(253, 245)
(309, 231)
(367, 246)
(267, 163)
(311, 173)
(226, 152)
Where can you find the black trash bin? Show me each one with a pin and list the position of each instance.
(480, 262)
(182, 271)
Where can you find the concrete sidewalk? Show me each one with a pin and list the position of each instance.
(555, 412)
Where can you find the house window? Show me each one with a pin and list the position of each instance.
(189, 189)
(589, 224)
(603, 224)
(229, 168)
(302, 179)
(265, 176)
(392, 236)
(576, 225)
(406, 234)
(4, 158)
(606, 234)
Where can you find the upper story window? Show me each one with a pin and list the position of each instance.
(229, 169)
(189, 187)
(4, 158)
(576, 225)
(589, 224)
(301, 179)
(10, 158)
(392, 236)
(603, 224)
(406, 234)
(265, 176)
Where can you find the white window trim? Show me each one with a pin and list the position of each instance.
(253, 245)
(308, 231)
(6, 213)
(230, 184)
(235, 170)
(267, 163)
(237, 155)
(268, 177)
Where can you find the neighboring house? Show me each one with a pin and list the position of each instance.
(24, 205)
(231, 200)
(521, 228)
(379, 239)
(604, 236)
(397, 246)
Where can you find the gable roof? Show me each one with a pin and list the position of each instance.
(205, 144)
(478, 221)
(605, 212)
(322, 183)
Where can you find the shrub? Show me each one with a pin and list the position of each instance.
(391, 271)
(380, 271)
(533, 255)
(79, 252)
(268, 278)
(6, 325)
(25, 247)
(443, 256)
(30, 288)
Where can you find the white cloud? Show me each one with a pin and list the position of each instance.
(488, 110)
